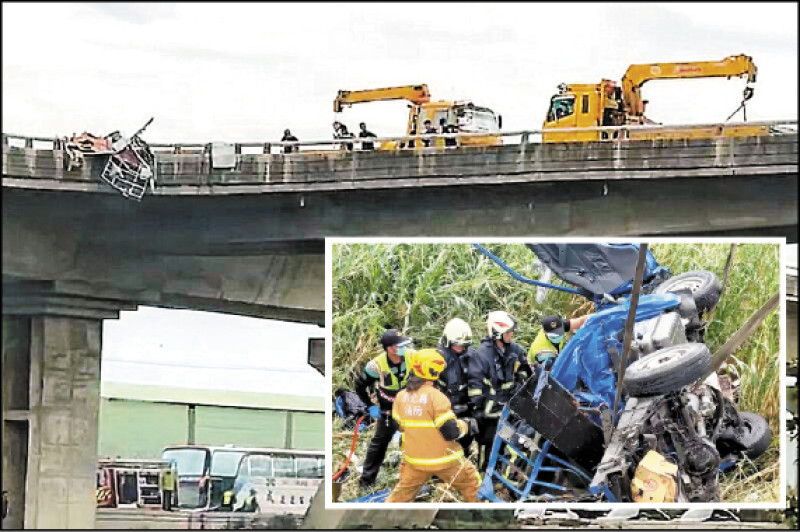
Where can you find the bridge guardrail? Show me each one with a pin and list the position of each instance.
(522, 137)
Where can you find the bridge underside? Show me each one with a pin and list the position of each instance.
(295, 223)
(105, 247)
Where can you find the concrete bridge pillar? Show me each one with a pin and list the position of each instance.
(51, 351)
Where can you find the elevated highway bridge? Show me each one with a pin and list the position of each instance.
(239, 228)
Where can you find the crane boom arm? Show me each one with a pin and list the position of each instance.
(416, 94)
(638, 75)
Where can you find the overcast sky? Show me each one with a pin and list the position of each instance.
(244, 72)
(191, 349)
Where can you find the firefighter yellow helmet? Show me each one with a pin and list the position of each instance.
(458, 332)
(499, 322)
(428, 364)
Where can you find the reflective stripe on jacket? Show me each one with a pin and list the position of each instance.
(379, 371)
(492, 375)
(453, 380)
(422, 415)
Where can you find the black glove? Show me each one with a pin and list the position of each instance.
(472, 425)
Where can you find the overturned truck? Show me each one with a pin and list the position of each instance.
(569, 434)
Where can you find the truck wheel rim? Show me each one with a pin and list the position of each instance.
(691, 282)
(660, 360)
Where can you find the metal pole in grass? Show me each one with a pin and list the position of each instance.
(727, 271)
(744, 332)
(634, 302)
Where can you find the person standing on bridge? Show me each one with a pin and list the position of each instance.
(429, 130)
(446, 128)
(388, 373)
(365, 133)
(340, 132)
(288, 137)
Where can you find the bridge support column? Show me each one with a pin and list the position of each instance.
(51, 353)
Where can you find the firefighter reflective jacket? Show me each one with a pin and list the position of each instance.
(542, 344)
(453, 380)
(430, 428)
(492, 375)
(389, 377)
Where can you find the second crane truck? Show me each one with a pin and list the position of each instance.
(595, 105)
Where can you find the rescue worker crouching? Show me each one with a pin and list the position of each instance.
(550, 340)
(455, 348)
(430, 430)
(388, 372)
(497, 366)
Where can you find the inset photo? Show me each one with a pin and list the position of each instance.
(541, 371)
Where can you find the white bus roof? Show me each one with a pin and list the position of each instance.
(258, 450)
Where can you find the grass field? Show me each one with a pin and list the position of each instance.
(417, 288)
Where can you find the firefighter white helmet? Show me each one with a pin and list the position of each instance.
(499, 322)
(458, 332)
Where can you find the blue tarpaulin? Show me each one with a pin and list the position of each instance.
(585, 358)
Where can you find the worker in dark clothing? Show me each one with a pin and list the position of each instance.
(494, 370)
(288, 137)
(455, 348)
(446, 128)
(429, 130)
(340, 132)
(388, 372)
(365, 133)
(550, 340)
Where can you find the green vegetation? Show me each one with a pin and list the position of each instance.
(417, 288)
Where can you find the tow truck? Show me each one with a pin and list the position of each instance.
(606, 104)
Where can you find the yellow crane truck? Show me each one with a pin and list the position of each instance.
(588, 105)
(465, 116)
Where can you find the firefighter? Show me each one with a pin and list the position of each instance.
(388, 372)
(496, 367)
(455, 348)
(430, 430)
(550, 340)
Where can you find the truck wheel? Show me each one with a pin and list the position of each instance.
(705, 287)
(755, 434)
(667, 370)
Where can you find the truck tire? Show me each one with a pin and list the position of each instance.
(755, 434)
(667, 370)
(705, 287)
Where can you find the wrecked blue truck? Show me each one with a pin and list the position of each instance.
(674, 429)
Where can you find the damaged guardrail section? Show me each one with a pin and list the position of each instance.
(236, 168)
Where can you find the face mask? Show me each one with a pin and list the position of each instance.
(555, 338)
(401, 351)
